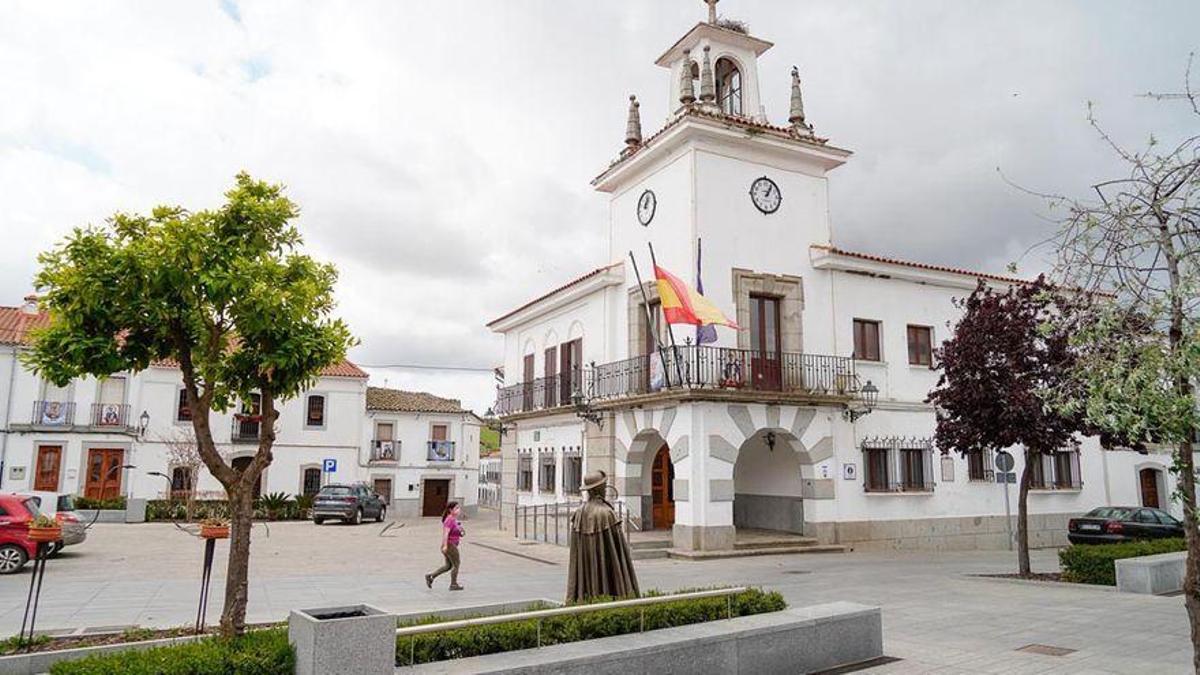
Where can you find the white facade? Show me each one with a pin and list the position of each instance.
(69, 439)
(723, 472)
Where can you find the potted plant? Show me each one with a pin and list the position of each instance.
(44, 529)
(214, 528)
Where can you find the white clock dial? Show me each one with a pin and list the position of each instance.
(646, 206)
(765, 195)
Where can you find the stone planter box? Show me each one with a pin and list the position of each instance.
(354, 640)
(1152, 574)
(800, 640)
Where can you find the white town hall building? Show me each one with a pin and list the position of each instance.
(764, 428)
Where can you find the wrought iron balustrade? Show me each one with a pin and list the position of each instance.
(691, 367)
(385, 450)
(245, 429)
(440, 451)
(114, 415)
(53, 414)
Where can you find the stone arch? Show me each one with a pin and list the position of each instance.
(551, 338)
(767, 485)
(575, 330)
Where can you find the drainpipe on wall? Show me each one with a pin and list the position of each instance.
(12, 377)
(1104, 467)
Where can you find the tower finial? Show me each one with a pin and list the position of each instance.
(633, 128)
(712, 10)
(796, 116)
(707, 90)
(687, 94)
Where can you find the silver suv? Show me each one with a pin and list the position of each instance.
(349, 503)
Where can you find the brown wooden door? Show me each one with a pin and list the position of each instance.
(103, 473)
(527, 388)
(550, 362)
(49, 462)
(383, 488)
(662, 487)
(1149, 481)
(765, 365)
(437, 494)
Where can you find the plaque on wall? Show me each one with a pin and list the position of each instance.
(16, 473)
(947, 469)
(849, 471)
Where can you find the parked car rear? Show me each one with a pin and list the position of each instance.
(348, 503)
(61, 507)
(16, 548)
(1113, 524)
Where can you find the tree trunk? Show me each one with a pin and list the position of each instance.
(237, 573)
(1023, 566)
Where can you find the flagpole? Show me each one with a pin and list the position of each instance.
(670, 333)
(649, 321)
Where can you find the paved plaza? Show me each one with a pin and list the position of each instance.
(937, 618)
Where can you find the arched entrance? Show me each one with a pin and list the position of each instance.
(1149, 480)
(662, 490)
(767, 484)
(241, 464)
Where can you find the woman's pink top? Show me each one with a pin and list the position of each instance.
(455, 534)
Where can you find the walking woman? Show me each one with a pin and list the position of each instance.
(452, 533)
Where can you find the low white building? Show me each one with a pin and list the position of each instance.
(111, 437)
(762, 428)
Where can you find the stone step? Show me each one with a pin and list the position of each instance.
(746, 552)
(649, 553)
(775, 542)
(642, 544)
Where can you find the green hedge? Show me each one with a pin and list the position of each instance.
(261, 652)
(176, 509)
(503, 637)
(114, 504)
(1095, 563)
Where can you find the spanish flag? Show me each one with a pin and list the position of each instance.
(682, 304)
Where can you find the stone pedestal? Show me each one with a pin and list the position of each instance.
(135, 510)
(1152, 574)
(351, 640)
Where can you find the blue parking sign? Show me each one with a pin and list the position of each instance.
(329, 465)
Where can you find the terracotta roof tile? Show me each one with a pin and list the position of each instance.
(379, 398)
(920, 265)
(15, 324)
(585, 277)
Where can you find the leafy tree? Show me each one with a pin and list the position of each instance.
(1009, 350)
(224, 293)
(1138, 240)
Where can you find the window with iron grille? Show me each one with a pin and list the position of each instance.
(895, 464)
(311, 481)
(181, 480)
(182, 412)
(546, 472)
(976, 465)
(525, 473)
(572, 473)
(314, 415)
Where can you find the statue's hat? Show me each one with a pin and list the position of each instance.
(593, 479)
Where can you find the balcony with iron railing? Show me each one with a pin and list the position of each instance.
(110, 415)
(440, 451)
(52, 414)
(687, 368)
(384, 450)
(245, 429)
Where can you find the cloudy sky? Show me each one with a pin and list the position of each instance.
(441, 151)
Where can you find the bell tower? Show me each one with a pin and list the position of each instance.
(715, 67)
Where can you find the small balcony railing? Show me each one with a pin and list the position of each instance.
(245, 429)
(385, 450)
(691, 367)
(440, 451)
(110, 415)
(53, 414)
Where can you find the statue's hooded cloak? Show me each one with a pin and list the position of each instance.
(600, 562)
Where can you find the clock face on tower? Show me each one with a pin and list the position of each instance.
(646, 205)
(765, 195)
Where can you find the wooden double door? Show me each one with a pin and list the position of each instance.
(662, 490)
(49, 465)
(1148, 478)
(103, 480)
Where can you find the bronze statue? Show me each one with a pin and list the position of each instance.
(600, 563)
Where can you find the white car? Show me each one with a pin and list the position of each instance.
(61, 507)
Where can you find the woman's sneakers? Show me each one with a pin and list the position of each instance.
(429, 580)
(455, 587)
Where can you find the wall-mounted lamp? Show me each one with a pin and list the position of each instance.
(143, 424)
(584, 411)
(869, 396)
(769, 437)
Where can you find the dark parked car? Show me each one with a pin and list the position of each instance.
(1112, 524)
(348, 503)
